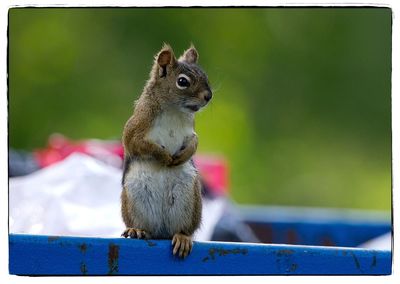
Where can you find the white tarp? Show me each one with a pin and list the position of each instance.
(383, 242)
(79, 196)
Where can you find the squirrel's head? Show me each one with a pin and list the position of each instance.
(181, 83)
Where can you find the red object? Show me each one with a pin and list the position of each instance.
(59, 147)
(213, 169)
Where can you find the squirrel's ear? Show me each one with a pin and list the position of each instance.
(190, 55)
(164, 58)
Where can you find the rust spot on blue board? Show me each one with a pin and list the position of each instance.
(357, 263)
(373, 264)
(292, 268)
(83, 268)
(150, 243)
(212, 252)
(82, 247)
(53, 238)
(284, 252)
(113, 256)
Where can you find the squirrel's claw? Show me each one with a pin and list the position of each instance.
(177, 159)
(135, 233)
(182, 244)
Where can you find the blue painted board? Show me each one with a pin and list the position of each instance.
(52, 255)
(315, 226)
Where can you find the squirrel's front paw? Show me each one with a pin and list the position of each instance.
(176, 160)
(165, 159)
(168, 161)
(179, 157)
(183, 244)
(135, 233)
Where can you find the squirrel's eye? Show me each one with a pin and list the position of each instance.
(183, 81)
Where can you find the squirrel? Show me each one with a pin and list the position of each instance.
(161, 195)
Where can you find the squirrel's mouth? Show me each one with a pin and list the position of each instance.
(193, 107)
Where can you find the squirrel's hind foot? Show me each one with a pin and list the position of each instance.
(183, 244)
(135, 233)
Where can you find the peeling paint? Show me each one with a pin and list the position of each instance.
(53, 238)
(373, 264)
(284, 252)
(82, 247)
(113, 257)
(83, 268)
(150, 243)
(212, 252)
(357, 263)
(284, 261)
(292, 268)
(205, 259)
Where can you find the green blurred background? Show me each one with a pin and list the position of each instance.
(302, 97)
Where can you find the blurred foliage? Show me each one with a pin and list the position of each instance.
(302, 96)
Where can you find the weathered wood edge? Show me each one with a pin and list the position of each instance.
(62, 255)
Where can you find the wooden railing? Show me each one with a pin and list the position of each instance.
(56, 255)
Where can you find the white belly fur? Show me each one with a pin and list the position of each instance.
(170, 129)
(162, 197)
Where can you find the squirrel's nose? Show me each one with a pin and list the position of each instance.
(208, 96)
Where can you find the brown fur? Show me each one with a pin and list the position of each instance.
(160, 93)
(136, 129)
(196, 216)
(189, 148)
(126, 209)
